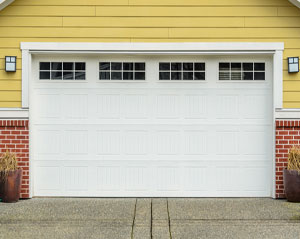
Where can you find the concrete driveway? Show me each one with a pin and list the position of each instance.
(149, 218)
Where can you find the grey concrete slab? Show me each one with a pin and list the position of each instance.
(143, 212)
(244, 230)
(160, 232)
(159, 209)
(232, 208)
(142, 232)
(69, 209)
(57, 231)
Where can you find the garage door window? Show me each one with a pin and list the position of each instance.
(237, 71)
(186, 71)
(62, 70)
(122, 71)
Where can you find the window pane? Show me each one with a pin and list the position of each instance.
(224, 66)
(139, 76)
(188, 66)
(176, 66)
(188, 75)
(80, 66)
(259, 66)
(199, 66)
(248, 76)
(236, 66)
(45, 66)
(175, 75)
(139, 66)
(116, 75)
(68, 75)
(104, 75)
(116, 66)
(224, 76)
(248, 66)
(259, 75)
(128, 75)
(164, 75)
(79, 75)
(44, 75)
(164, 66)
(127, 66)
(199, 76)
(56, 75)
(104, 66)
(56, 66)
(69, 66)
(236, 76)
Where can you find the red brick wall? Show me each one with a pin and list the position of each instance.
(287, 135)
(15, 138)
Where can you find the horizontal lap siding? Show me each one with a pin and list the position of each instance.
(147, 21)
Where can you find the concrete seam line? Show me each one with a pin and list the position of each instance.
(169, 220)
(133, 220)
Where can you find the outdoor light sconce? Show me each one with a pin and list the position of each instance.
(293, 64)
(10, 63)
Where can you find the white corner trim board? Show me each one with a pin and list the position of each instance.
(295, 2)
(5, 3)
(204, 48)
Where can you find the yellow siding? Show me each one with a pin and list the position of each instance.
(147, 21)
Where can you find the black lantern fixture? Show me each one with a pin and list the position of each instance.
(10, 63)
(293, 63)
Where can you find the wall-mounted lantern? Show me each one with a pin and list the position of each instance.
(10, 63)
(293, 64)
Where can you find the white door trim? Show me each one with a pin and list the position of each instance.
(229, 48)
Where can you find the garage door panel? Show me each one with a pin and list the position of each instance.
(152, 138)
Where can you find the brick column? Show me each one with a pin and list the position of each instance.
(287, 135)
(14, 137)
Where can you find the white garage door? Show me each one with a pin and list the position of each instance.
(192, 126)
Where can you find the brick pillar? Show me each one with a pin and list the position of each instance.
(14, 137)
(287, 135)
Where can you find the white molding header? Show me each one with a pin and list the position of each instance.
(295, 2)
(152, 47)
(13, 113)
(287, 114)
(5, 3)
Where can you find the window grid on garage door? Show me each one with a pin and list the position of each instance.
(62, 71)
(186, 71)
(245, 71)
(122, 71)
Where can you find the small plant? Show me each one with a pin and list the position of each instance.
(8, 163)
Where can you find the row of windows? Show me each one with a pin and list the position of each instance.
(168, 71)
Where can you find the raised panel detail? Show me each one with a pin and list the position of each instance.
(49, 106)
(254, 143)
(76, 178)
(227, 143)
(76, 142)
(227, 106)
(195, 142)
(76, 106)
(195, 106)
(136, 179)
(168, 142)
(43, 174)
(108, 106)
(168, 179)
(167, 106)
(136, 142)
(48, 142)
(195, 179)
(108, 142)
(135, 106)
(108, 178)
(256, 107)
